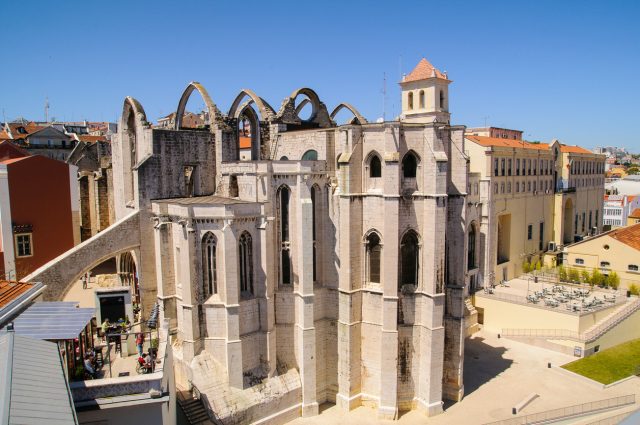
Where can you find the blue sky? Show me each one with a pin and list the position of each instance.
(566, 70)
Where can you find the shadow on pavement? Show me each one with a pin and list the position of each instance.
(482, 363)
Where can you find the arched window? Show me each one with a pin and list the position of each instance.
(310, 155)
(245, 263)
(410, 99)
(471, 248)
(374, 251)
(409, 262)
(284, 158)
(421, 99)
(314, 205)
(409, 165)
(283, 226)
(209, 265)
(442, 100)
(375, 167)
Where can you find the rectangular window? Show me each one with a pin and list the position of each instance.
(605, 264)
(518, 167)
(509, 168)
(495, 167)
(24, 246)
(579, 261)
(530, 232)
(632, 267)
(502, 166)
(541, 241)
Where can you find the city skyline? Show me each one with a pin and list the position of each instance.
(582, 56)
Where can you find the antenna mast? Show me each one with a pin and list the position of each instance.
(46, 109)
(384, 96)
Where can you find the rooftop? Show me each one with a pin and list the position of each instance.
(629, 235)
(10, 290)
(34, 373)
(522, 144)
(53, 320)
(202, 200)
(423, 71)
(635, 213)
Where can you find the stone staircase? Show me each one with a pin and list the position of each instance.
(193, 409)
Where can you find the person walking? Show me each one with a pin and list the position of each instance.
(84, 281)
(139, 342)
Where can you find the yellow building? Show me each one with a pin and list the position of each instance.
(617, 250)
(534, 198)
(634, 217)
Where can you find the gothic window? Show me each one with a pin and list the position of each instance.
(375, 167)
(471, 248)
(421, 99)
(410, 99)
(310, 155)
(314, 234)
(209, 264)
(409, 263)
(373, 257)
(409, 165)
(284, 243)
(245, 262)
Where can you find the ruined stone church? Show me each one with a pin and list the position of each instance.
(317, 263)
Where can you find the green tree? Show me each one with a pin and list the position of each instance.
(562, 274)
(574, 275)
(613, 280)
(586, 277)
(526, 267)
(634, 289)
(633, 170)
(597, 278)
(538, 266)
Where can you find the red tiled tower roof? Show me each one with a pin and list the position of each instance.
(424, 70)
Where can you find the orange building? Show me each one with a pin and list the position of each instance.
(39, 210)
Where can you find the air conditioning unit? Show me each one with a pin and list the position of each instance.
(594, 230)
(552, 246)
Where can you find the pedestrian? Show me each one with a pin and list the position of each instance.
(84, 281)
(139, 342)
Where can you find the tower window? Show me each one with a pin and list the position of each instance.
(209, 264)
(285, 244)
(409, 259)
(375, 167)
(421, 99)
(442, 107)
(409, 166)
(245, 261)
(374, 251)
(410, 100)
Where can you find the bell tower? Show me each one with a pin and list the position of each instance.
(425, 95)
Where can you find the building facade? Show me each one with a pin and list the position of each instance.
(39, 210)
(534, 197)
(617, 208)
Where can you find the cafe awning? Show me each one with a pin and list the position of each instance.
(53, 321)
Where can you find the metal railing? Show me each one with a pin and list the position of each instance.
(612, 321)
(569, 412)
(612, 420)
(543, 333)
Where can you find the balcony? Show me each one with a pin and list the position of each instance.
(562, 186)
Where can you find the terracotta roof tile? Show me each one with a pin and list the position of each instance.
(423, 71)
(573, 149)
(628, 235)
(10, 290)
(635, 213)
(90, 139)
(507, 143)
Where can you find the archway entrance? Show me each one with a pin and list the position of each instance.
(129, 275)
(568, 231)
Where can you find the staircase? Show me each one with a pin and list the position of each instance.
(611, 321)
(193, 409)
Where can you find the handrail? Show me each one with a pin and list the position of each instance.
(569, 411)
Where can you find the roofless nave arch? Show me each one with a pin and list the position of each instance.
(62, 272)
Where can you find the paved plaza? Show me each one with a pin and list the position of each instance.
(498, 374)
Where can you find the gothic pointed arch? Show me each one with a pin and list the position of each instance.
(132, 121)
(373, 256)
(410, 162)
(359, 119)
(266, 111)
(409, 259)
(212, 109)
(319, 117)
